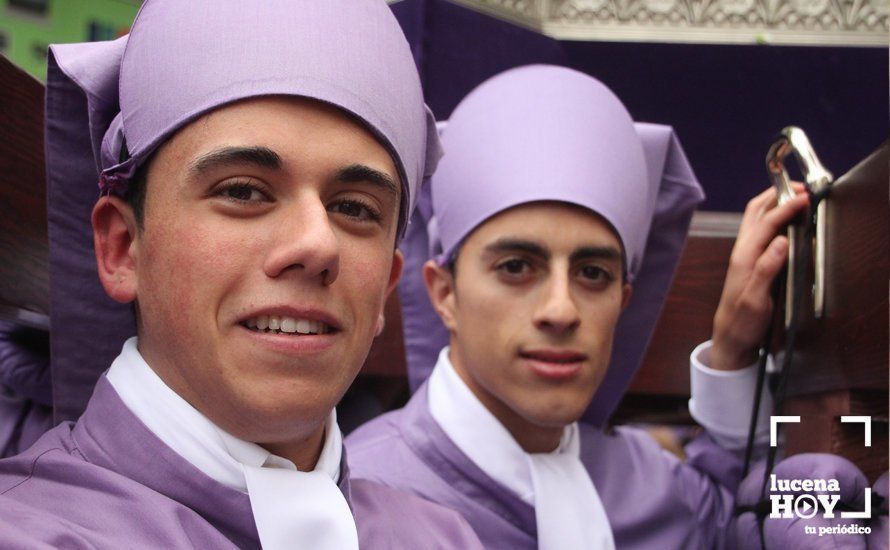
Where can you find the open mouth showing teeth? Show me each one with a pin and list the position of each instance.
(274, 324)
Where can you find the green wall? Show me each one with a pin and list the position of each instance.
(27, 32)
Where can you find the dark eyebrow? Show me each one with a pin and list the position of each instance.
(530, 247)
(596, 253)
(518, 245)
(358, 173)
(262, 157)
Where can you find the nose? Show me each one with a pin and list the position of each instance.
(305, 242)
(557, 312)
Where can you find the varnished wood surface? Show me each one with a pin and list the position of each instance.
(841, 361)
(687, 318)
(24, 257)
(848, 347)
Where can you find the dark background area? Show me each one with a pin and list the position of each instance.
(727, 102)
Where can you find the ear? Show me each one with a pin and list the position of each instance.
(381, 324)
(116, 242)
(395, 273)
(440, 287)
(626, 292)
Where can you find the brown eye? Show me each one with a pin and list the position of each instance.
(242, 192)
(595, 274)
(514, 267)
(355, 209)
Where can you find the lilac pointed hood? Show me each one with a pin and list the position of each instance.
(110, 105)
(546, 133)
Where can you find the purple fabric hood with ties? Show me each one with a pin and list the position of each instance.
(110, 105)
(547, 133)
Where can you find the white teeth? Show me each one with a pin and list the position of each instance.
(289, 325)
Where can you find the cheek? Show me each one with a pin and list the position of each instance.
(603, 314)
(490, 324)
(186, 263)
(600, 319)
(364, 276)
(504, 312)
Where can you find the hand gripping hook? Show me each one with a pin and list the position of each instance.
(793, 140)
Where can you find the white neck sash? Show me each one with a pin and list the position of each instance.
(291, 508)
(568, 510)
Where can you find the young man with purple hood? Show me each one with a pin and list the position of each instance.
(258, 164)
(546, 248)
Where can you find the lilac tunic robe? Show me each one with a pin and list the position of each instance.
(652, 499)
(108, 482)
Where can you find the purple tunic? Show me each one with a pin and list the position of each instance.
(652, 499)
(108, 482)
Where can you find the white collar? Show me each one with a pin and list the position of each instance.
(568, 510)
(488, 444)
(270, 480)
(205, 445)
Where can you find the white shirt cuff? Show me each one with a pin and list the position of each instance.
(721, 400)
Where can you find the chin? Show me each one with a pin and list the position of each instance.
(278, 416)
(555, 413)
(276, 429)
(570, 401)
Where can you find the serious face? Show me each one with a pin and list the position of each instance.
(264, 262)
(532, 308)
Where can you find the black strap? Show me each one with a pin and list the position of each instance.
(802, 260)
(777, 292)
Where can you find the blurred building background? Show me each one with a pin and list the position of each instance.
(28, 26)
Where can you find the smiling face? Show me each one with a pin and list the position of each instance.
(264, 262)
(532, 307)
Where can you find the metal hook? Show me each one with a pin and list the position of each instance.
(817, 179)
